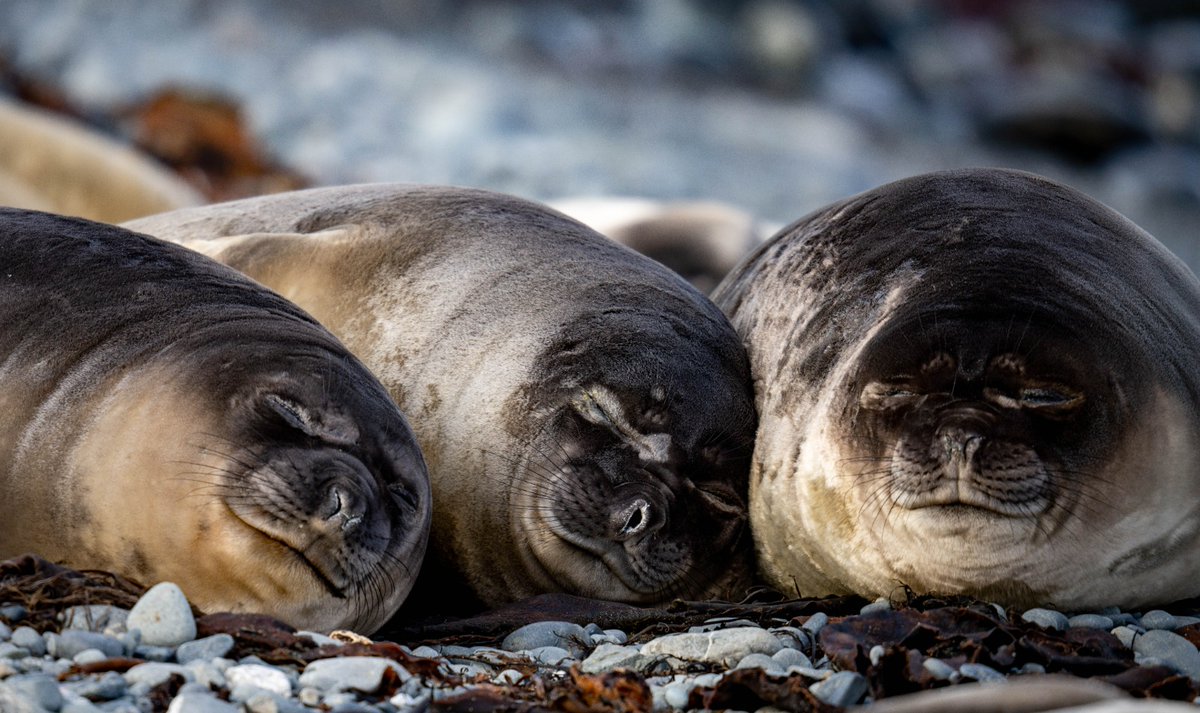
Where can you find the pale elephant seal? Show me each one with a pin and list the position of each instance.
(700, 240)
(48, 162)
(586, 414)
(165, 418)
(979, 382)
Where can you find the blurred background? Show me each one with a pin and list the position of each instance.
(776, 107)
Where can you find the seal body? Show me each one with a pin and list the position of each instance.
(978, 382)
(50, 163)
(586, 415)
(168, 419)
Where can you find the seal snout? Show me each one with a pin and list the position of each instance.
(635, 518)
(960, 444)
(343, 508)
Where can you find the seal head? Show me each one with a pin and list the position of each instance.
(973, 382)
(168, 419)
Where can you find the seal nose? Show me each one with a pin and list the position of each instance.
(635, 518)
(343, 508)
(960, 443)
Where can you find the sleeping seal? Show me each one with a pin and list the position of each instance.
(586, 415)
(975, 381)
(163, 417)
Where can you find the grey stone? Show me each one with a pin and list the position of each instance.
(507, 677)
(106, 687)
(880, 604)
(14, 613)
(358, 673)
(163, 616)
(73, 703)
(210, 647)
(5, 632)
(707, 680)
(1170, 648)
(94, 617)
(88, 656)
(980, 672)
(427, 652)
(563, 634)
(815, 623)
(30, 640)
(200, 703)
(844, 688)
(161, 654)
(1030, 667)
(718, 623)
(676, 694)
(206, 673)
(38, 688)
(764, 662)
(1090, 621)
(1125, 635)
(246, 679)
(9, 650)
(457, 652)
(726, 647)
(1159, 619)
(791, 657)
(611, 656)
(319, 639)
(938, 668)
(264, 702)
(593, 629)
(617, 634)
(71, 642)
(1046, 618)
(598, 639)
(550, 655)
(471, 670)
(153, 673)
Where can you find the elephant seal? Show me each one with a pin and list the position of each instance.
(48, 162)
(585, 413)
(700, 240)
(976, 381)
(165, 418)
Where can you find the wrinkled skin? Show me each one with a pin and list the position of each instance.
(975, 382)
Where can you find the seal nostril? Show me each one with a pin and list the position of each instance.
(634, 519)
(342, 509)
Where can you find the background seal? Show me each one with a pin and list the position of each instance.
(586, 414)
(165, 418)
(979, 382)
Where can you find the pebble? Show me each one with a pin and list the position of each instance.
(550, 655)
(726, 647)
(1090, 621)
(320, 639)
(71, 642)
(508, 676)
(36, 687)
(200, 703)
(1125, 635)
(359, 673)
(1159, 619)
(980, 672)
(264, 702)
(1046, 618)
(880, 604)
(844, 688)
(1171, 649)
(210, 647)
(247, 679)
(163, 616)
(426, 652)
(791, 657)
(154, 653)
(676, 694)
(764, 662)
(30, 640)
(5, 632)
(938, 668)
(562, 634)
(153, 673)
(793, 637)
(717, 623)
(95, 617)
(815, 623)
(610, 656)
(108, 686)
(88, 656)
(14, 613)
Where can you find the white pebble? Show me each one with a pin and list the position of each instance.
(163, 616)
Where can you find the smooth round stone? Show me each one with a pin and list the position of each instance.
(980, 672)
(30, 640)
(1159, 619)
(610, 656)
(73, 703)
(1125, 635)
(550, 655)
(844, 688)
(38, 688)
(200, 703)
(264, 702)
(206, 673)
(598, 639)
(210, 647)
(320, 639)
(309, 696)
(1090, 621)
(938, 668)
(875, 655)
(426, 652)
(1170, 648)
(358, 673)
(719, 623)
(245, 680)
(880, 604)
(593, 629)
(5, 632)
(153, 673)
(508, 677)
(676, 694)
(87, 656)
(14, 612)
(707, 680)
(726, 647)
(106, 687)
(154, 653)
(163, 616)
(94, 617)
(71, 642)
(815, 623)
(620, 636)
(1046, 618)
(793, 637)
(791, 657)
(762, 661)
(562, 634)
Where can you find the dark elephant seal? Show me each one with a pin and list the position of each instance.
(168, 419)
(976, 381)
(585, 413)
